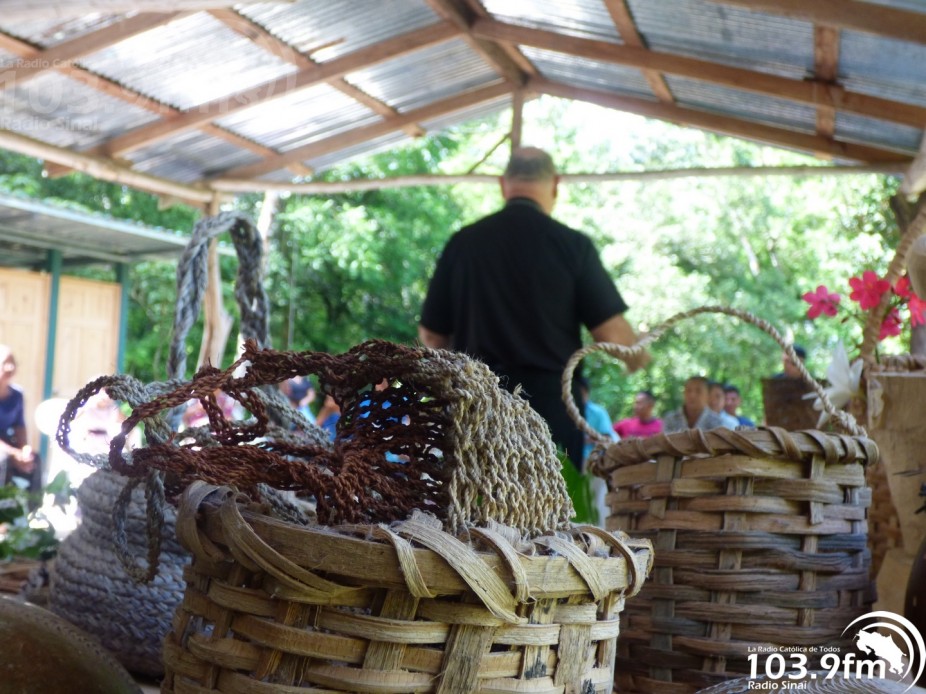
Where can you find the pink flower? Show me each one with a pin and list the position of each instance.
(902, 288)
(917, 310)
(868, 289)
(891, 325)
(821, 301)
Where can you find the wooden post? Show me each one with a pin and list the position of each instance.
(217, 323)
(517, 118)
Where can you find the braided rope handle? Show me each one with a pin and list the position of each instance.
(843, 419)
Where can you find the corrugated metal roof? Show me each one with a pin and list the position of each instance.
(477, 112)
(362, 149)
(57, 109)
(28, 228)
(425, 76)
(585, 18)
(873, 131)
(909, 5)
(730, 35)
(188, 62)
(862, 58)
(735, 102)
(326, 30)
(298, 118)
(45, 32)
(591, 74)
(189, 157)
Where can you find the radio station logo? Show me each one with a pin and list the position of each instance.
(892, 645)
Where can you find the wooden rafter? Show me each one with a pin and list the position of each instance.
(67, 52)
(505, 59)
(845, 14)
(363, 184)
(103, 169)
(232, 103)
(27, 52)
(826, 68)
(627, 28)
(263, 38)
(725, 125)
(812, 92)
(370, 132)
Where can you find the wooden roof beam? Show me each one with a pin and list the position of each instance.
(263, 38)
(826, 68)
(369, 132)
(505, 59)
(725, 125)
(103, 169)
(845, 14)
(815, 93)
(232, 103)
(627, 28)
(106, 86)
(68, 52)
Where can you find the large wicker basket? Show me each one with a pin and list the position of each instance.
(760, 541)
(274, 607)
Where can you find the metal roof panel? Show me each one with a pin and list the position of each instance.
(730, 35)
(190, 156)
(50, 32)
(188, 62)
(62, 111)
(424, 76)
(326, 30)
(584, 18)
(362, 149)
(873, 131)
(704, 96)
(592, 74)
(883, 67)
(299, 118)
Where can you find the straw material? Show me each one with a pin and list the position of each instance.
(759, 537)
(272, 607)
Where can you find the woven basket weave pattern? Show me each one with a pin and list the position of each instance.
(759, 539)
(271, 607)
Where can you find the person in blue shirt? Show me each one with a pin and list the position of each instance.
(732, 402)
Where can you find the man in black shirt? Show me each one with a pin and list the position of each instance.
(514, 289)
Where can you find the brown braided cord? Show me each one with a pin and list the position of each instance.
(845, 420)
(900, 363)
(470, 449)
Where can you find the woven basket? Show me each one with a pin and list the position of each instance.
(760, 540)
(272, 607)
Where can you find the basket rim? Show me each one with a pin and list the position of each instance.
(203, 528)
(765, 442)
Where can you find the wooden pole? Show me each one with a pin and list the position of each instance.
(517, 118)
(228, 185)
(217, 322)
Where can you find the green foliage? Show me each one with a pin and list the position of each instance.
(25, 533)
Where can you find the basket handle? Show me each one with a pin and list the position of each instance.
(843, 419)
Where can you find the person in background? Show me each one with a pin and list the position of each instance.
(328, 415)
(514, 290)
(597, 418)
(716, 400)
(790, 369)
(732, 402)
(643, 423)
(18, 463)
(694, 412)
(300, 393)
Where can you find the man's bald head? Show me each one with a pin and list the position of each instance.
(531, 174)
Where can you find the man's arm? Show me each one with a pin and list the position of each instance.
(429, 338)
(617, 330)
